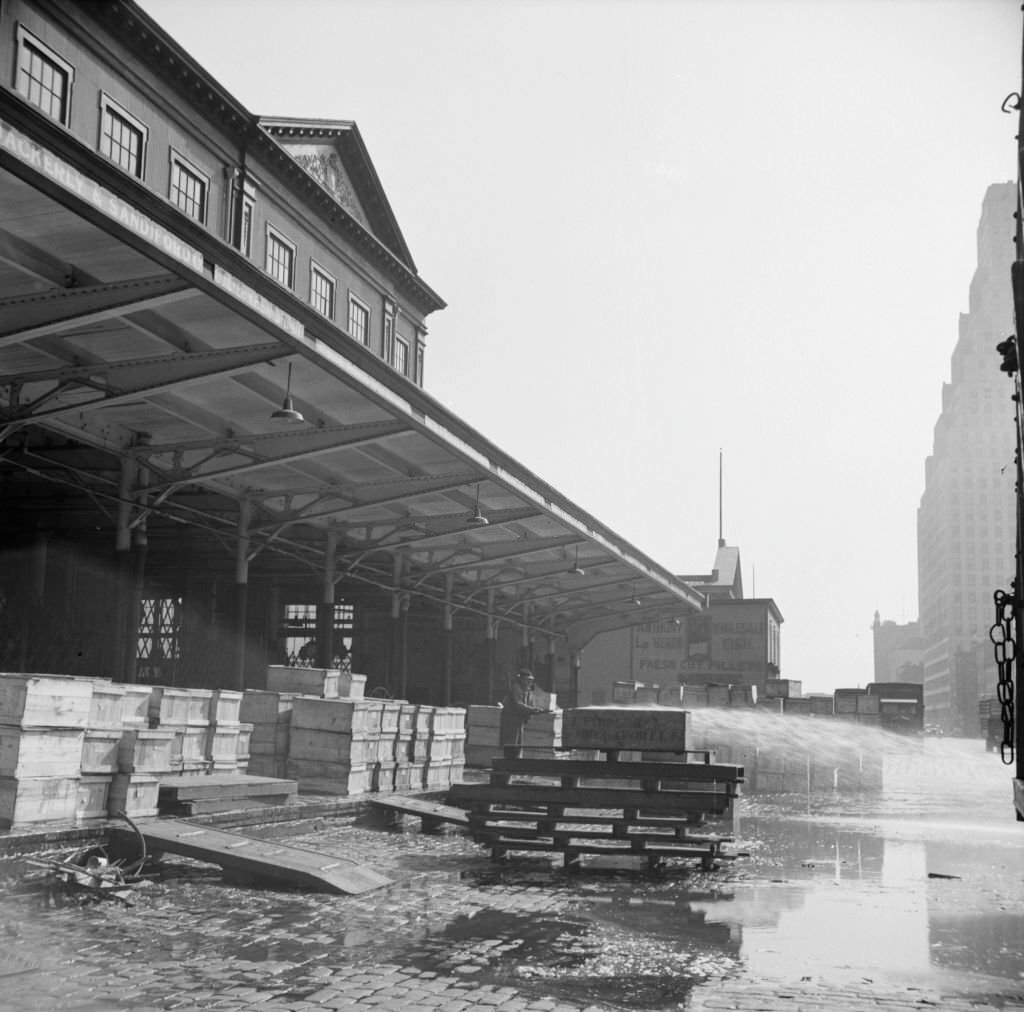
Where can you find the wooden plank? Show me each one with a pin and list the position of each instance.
(589, 797)
(665, 822)
(260, 858)
(694, 772)
(428, 809)
(207, 806)
(223, 785)
(614, 848)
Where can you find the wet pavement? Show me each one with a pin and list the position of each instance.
(912, 898)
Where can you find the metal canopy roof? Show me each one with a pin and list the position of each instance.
(115, 347)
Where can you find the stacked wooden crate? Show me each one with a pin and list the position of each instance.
(421, 743)
(269, 715)
(170, 710)
(483, 735)
(542, 736)
(42, 729)
(100, 748)
(403, 779)
(382, 778)
(224, 731)
(334, 744)
(437, 770)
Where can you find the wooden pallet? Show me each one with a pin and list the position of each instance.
(640, 809)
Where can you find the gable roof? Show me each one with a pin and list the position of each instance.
(352, 181)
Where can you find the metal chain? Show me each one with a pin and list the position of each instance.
(1002, 637)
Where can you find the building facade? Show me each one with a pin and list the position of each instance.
(899, 652)
(215, 446)
(734, 640)
(965, 522)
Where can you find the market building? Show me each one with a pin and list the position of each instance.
(216, 448)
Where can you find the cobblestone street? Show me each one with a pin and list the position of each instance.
(814, 914)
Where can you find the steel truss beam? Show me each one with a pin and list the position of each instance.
(263, 450)
(115, 382)
(29, 316)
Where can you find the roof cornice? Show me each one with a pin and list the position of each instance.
(125, 20)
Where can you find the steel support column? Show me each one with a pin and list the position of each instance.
(447, 634)
(119, 633)
(240, 624)
(325, 609)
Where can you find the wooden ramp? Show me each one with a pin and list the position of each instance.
(430, 812)
(296, 866)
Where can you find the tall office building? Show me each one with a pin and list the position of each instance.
(965, 523)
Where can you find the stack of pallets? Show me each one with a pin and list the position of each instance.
(646, 808)
(606, 807)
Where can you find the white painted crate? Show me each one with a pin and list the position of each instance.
(40, 752)
(30, 700)
(26, 800)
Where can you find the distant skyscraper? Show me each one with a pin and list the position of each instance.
(965, 523)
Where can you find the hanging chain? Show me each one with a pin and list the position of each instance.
(1002, 637)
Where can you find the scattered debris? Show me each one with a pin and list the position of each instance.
(92, 871)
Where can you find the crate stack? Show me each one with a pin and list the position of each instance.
(334, 744)
(421, 744)
(483, 735)
(437, 769)
(177, 711)
(269, 714)
(42, 728)
(408, 774)
(100, 749)
(382, 779)
(542, 736)
(670, 695)
(224, 733)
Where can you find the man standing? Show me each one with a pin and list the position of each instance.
(516, 709)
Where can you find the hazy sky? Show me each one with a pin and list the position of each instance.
(668, 227)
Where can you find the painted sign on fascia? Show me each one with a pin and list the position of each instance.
(69, 178)
(719, 641)
(267, 309)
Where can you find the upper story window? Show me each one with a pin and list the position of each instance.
(388, 344)
(280, 258)
(321, 290)
(44, 78)
(240, 232)
(419, 363)
(190, 188)
(401, 362)
(358, 320)
(122, 137)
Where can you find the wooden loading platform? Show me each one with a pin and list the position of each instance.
(649, 809)
(222, 792)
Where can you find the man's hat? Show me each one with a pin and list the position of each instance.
(524, 673)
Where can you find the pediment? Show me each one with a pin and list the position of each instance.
(333, 153)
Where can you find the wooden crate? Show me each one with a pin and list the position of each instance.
(40, 752)
(168, 706)
(351, 686)
(670, 695)
(134, 794)
(612, 728)
(146, 750)
(354, 716)
(222, 742)
(29, 700)
(27, 800)
(335, 746)
(482, 755)
(100, 751)
(329, 778)
(718, 695)
(135, 705)
(646, 693)
(106, 708)
(259, 706)
(225, 706)
(320, 682)
(437, 773)
(270, 739)
(93, 797)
